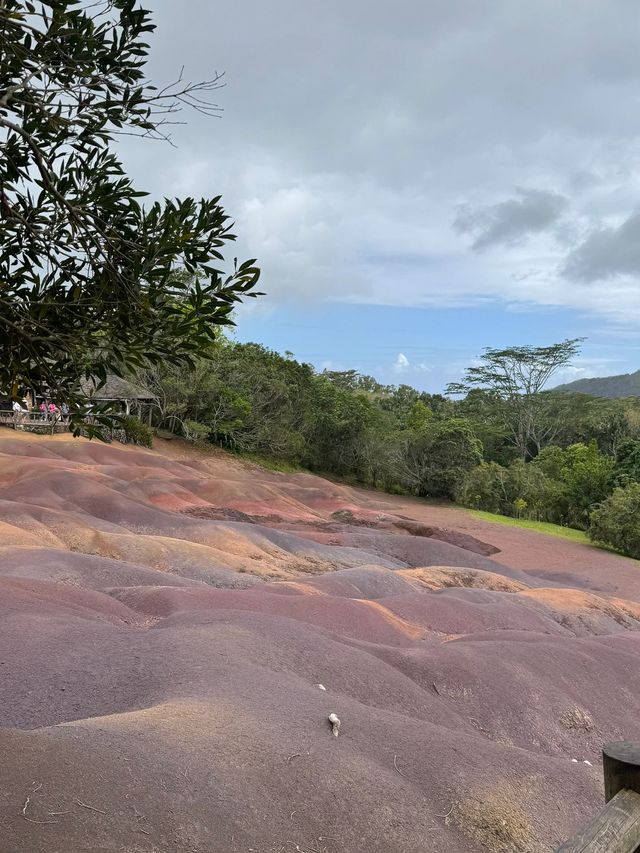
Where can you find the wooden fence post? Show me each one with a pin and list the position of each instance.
(616, 828)
(621, 766)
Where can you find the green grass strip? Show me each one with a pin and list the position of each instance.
(528, 524)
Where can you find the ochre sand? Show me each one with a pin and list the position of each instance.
(167, 617)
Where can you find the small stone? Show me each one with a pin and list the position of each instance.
(588, 762)
(335, 723)
(321, 686)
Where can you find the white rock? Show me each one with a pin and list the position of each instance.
(321, 686)
(574, 760)
(588, 762)
(335, 723)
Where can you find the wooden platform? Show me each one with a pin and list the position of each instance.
(33, 422)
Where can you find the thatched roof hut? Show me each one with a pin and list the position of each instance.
(116, 389)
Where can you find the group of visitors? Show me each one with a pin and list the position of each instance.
(47, 411)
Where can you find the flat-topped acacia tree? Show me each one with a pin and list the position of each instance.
(91, 281)
(513, 379)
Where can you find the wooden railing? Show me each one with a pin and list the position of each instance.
(34, 421)
(616, 828)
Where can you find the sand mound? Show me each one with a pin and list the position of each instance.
(175, 630)
(443, 577)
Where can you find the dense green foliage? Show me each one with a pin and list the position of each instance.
(135, 432)
(90, 280)
(257, 402)
(435, 457)
(514, 379)
(254, 401)
(616, 521)
(560, 485)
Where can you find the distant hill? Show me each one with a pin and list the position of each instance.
(624, 385)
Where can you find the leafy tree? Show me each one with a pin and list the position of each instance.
(136, 432)
(485, 411)
(520, 505)
(196, 400)
(628, 459)
(551, 461)
(401, 399)
(515, 377)
(526, 482)
(341, 430)
(347, 380)
(616, 522)
(419, 416)
(607, 424)
(90, 280)
(588, 476)
(439, 405)
(434, 462)
(485, 487)
(522, 489)
(583, 477)
(278, 391)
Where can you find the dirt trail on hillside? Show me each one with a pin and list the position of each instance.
(176, 629)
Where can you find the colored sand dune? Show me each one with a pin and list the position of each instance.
(176, 629)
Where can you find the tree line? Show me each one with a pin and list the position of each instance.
(504, 444)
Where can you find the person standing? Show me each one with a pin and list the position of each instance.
(17, 415)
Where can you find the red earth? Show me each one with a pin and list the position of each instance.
(177, 626)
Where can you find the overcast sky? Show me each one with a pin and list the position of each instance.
(418, 178)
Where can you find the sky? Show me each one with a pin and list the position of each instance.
(418, 180)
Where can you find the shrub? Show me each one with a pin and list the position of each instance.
(136, 432)
(616, 522)
(396, 489)
(194, 430)
(519, 506)
(588, 476)
(521, 490)
(528, 484)
(485, 487)
(628, 460)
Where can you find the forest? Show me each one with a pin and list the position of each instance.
(498, 441)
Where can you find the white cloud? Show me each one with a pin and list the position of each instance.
(401, 364)
(345, 179)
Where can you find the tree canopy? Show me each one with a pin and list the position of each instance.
(90, 279)
(515, 377)
(257, 402)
